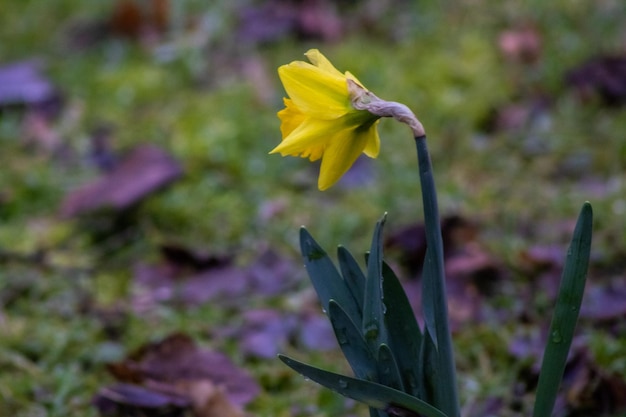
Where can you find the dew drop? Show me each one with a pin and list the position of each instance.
(556, 337)
(371, 331)
(342, 338)
(343, 383)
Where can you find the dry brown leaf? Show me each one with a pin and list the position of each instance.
(177, 359)
(144, 171)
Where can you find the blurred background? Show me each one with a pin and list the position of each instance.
(149, 257)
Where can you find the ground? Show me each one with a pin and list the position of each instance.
(524, 109)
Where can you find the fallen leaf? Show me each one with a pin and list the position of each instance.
(605, 303)
(142, 172)
(602, 77)
(318, 19)
(316, 333)
(264, 332)
(21, 83)
(208, 400)
(121, 400)
(177, 361)
(187, 277)
(167, 283)
(25, 88)
(267, 22)
(277, 19)
(409, 242)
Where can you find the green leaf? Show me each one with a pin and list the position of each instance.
(430, 370)
(374, 412)
(373, 394)
(352, 275)
(404, 334)
(353, 346)
(373, 307)
(565, 315)
(388, 372)
(325, 278)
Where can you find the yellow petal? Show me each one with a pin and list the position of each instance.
(339, 156)
(314, 152)
(320, 61)
(291, 117)
(372, 147)
(315, 92)
(306, 139)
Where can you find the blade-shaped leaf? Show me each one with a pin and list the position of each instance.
(352, 275)
(353, 346)
(565, 314)
(374, 412)
(403, 332)
(429, 369)
(373, 307)
(388, 372)
(370, 393)
(325, 278)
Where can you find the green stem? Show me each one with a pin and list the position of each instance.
(435, 305)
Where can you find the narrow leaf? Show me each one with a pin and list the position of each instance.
(388, 372)
(373, 306)
(325, 278)
(352, 275)
(565, 315)
(352, 344)
(429, 368)
(370, 393)
(404, 334)
(374, 412)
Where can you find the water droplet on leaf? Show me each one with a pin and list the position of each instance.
(371, 331)
(556, 337)
(342, 338)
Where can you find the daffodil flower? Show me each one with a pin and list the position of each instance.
(330, 115)
(319, 121)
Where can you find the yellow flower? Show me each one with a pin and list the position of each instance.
(319, 120)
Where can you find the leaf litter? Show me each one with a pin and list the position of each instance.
(175, 373)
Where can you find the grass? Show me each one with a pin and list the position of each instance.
(55, 314)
